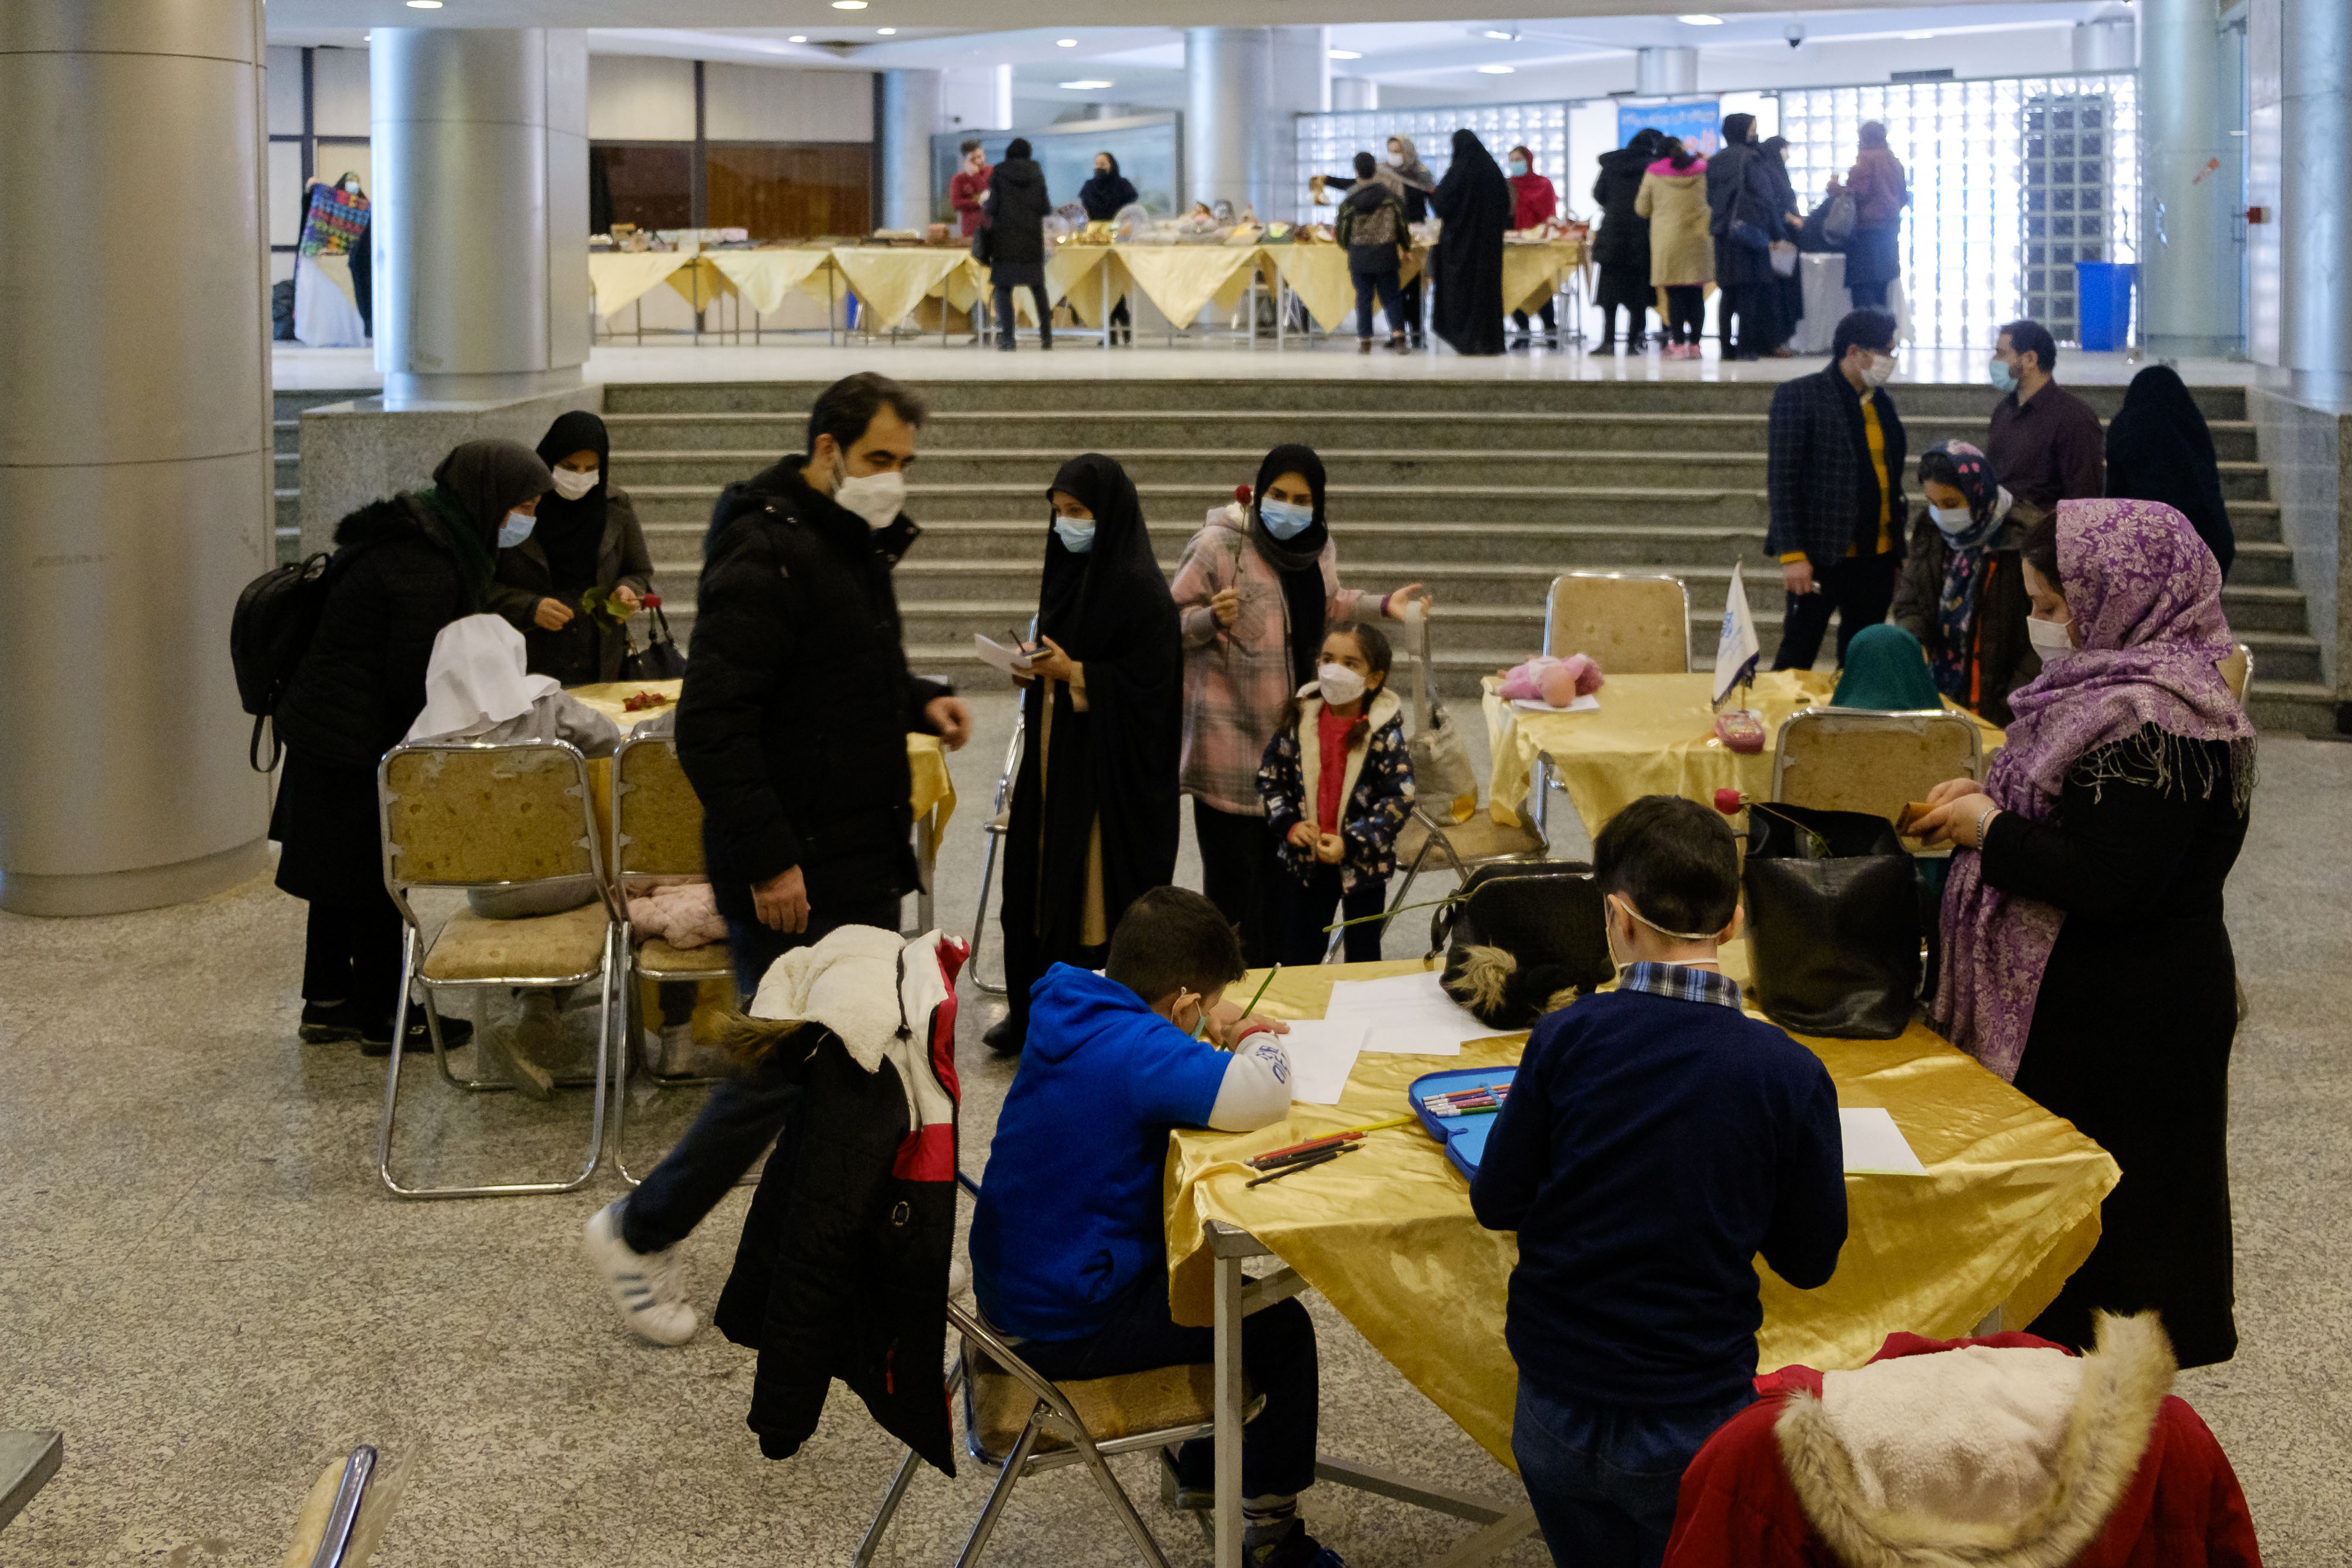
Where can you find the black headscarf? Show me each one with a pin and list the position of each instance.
(570, 533)
(2159, 449)
(1115, 763)
(1475, 201)
(1299, 560)
(1106, 191)
(1739, 130)
(473, 490)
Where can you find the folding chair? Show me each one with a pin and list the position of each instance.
(999, 824)
(1021, 1423)
(657, 832)
(1632, 623)
(2238, 671)
(1862, 759)
(460, 815)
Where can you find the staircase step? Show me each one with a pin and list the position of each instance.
(2291, 707)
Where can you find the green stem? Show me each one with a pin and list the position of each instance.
(1360, 919)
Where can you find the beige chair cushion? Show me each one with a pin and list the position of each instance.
(502, 813)
(1630, 625)
(659, 960)
(550, 946)
(1110, 1407)
(1854, 762)
(661, 816)
(1480, 838)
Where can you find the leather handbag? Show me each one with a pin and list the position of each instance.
(659, 659)
(983, 243)
(1519, 934)
(1834, 922)
(1445, 784)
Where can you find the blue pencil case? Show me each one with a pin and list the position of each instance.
(1464, 1137)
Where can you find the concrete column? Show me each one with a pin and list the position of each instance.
(1243, 86)
(1665, 69)
(2106, 44)
(2316, 196)
(480, 143)
(906, 112)
(134, 449)
(2189, 185)
(1355, 94)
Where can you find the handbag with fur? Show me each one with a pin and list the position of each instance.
(1523, 939)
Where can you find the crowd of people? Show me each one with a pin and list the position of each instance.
(2068, 592)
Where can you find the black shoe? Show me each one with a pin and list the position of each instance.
(377, 1040)
(1297, 1549)
(331, 1024)
(1046, 344)
(1003, 1037)
(1004, 345)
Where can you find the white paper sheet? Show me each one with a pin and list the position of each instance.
(1408, 1015)
(1588, 703)
(1322, 1054)
(1012, 660)
(1873, 1143)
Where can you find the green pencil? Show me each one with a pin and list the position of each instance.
(1261, 985)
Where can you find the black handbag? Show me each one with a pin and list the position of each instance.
(1517, 934)
(1832, 922)
(659, 659)
(983, 244)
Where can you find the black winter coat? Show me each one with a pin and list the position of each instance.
(793, 724)
(1624, 237)
(523, 579)
(360, 682)
(1739, 191)
(1817, 481)
(1016, 208)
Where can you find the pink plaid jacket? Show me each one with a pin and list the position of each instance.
(1238, 677)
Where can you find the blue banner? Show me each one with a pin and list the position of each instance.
(1698, 125)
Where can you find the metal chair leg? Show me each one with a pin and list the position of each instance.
(986, 1525)
(1121, 1504)
(899, 1484)
(980, 917)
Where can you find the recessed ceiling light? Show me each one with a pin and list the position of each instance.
(1493, 70)
(1066, 43)
(425, 4)
(1699, 19)
(849, 5)
(1087, 86)
(797, 38)
(1915, 38)
(1499, 33)
(1347, 54)
(886, 32)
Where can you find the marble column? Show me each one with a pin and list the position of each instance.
(1665, 68)
(2316, 198)
(1244, 87)
(1355, 94)
(906, 112)
(2189, 181)
(480, 142)
(134, 449)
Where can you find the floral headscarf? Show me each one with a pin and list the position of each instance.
(1964, 572)
(2146, 595)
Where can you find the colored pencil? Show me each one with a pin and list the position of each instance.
(1293, 1168)
(1345, 1135)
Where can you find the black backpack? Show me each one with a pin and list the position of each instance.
(275, 617)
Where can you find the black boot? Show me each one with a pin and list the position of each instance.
(1004, 1036)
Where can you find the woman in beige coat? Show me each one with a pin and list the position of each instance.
(1681, 250)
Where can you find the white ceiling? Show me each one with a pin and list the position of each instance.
(1568, 53)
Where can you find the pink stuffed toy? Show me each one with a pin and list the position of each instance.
(685, 913)
(1558, 682)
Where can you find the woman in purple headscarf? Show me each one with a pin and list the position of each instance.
(2086, 958)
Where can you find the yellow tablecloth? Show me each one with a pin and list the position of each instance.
(1183, 279)
(1318, 273)
(888, 281)
(765, 277)
(2009, 1208)
(1530, 272)
(618, 277)
(927, 757)
(1653, 735)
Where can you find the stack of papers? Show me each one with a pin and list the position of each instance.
(1322, 1054)
(1408, 1015)
(1876, 1145)
(1012, 660)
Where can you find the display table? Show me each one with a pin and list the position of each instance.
(1653, 735)
(2008, 1209)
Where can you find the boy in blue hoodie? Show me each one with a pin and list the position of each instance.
(1069, 1245)
(1656, 1139)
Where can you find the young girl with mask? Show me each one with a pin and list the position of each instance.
(1962, 590)
(1336, 783)
(1258, 586)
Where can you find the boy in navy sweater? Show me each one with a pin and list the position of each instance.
(1656, 1139)
(1069, 1243)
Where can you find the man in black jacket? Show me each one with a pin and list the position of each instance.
(792, 729)
(1834, 480)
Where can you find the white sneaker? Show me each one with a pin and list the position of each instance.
(643, 1285)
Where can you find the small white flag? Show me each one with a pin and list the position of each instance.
(1735, 654)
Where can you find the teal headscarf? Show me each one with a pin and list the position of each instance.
(1885, 667)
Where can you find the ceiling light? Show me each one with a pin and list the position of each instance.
(425, 4)
(1347, 54)
(797, 38)
(849, 5)
(1918, 37)
(886, 32)
(1493, 70)
(1694, 19)
(1066, 43)
(1087, 86)
(1497, 33)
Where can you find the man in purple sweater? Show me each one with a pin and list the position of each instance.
(1656, 1139)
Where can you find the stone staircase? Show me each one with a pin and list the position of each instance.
(1483, 490)
(286, 428)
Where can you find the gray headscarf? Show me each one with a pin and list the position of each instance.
(1412, 171)
(484, 479)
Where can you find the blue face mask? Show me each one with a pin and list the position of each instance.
(1285, 520)
(1518, 168)
(1077, 536)
(2004, 378)
(515, 530)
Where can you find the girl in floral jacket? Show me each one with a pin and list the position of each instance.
(1336, 783)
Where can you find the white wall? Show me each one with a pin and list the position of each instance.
(640, 98)
(969, 100)
(338, 92)
(756, 103)
(285, 85)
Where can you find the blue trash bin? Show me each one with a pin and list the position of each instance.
(2103, 293)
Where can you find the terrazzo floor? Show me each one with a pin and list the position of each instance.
(203, 1284)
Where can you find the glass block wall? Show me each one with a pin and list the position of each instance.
(2004, 197)
(1328, 143)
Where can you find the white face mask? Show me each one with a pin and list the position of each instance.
(1338, 684)
(2049, 638)
(570, 484)
(1879, 370)
(1953, 520)
(1396, 160)
(877, 498)
(352, 186)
